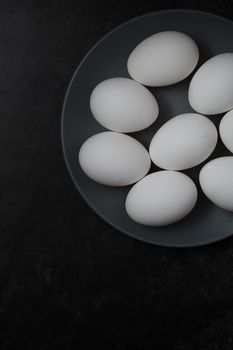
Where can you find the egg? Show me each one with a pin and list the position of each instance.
(183, 142)
(164, 58)
(161, 198)
(216, 180)
(226, 130)
(123, 105)
(114, 159)
(210, 90)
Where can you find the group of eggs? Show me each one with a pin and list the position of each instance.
(124, 105)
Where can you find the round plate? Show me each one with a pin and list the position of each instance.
(108, 58)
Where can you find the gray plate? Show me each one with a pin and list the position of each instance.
(207, 223)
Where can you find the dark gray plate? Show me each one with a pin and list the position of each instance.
(207, 223)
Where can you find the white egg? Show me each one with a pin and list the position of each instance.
(163, 59)
(123, 105)
(216, 180)
(183, 142)
(161, 198)
(210, 90)
(226, 130)
(114, 159)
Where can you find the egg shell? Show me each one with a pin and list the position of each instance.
(114, 159)
(161, 198)
(226, 130)
(183, 142)
(123, 105)
(164, 58)
(216, 180)
(210, 90)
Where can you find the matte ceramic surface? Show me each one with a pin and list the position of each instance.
(207, 223)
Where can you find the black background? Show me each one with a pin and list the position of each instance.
(67, 279)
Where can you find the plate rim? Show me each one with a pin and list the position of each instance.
(121, 230)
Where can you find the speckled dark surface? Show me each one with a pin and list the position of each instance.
(67, 279)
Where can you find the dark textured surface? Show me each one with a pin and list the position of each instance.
(67, 279)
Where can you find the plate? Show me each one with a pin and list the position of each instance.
(108, 58)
